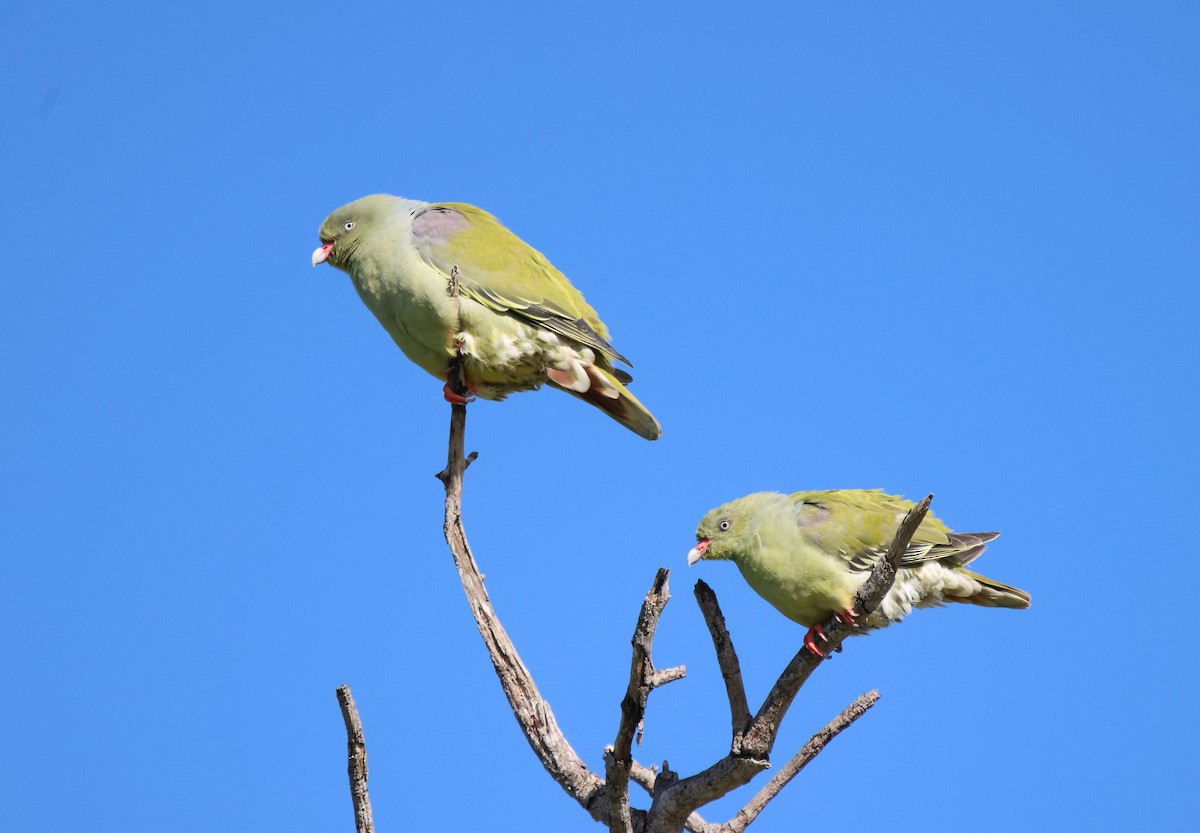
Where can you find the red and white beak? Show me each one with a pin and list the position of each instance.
(322, 252)
(697, 552)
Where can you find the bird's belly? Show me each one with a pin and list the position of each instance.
(810, 597)
(420, 331)
(501, 354)
(421, 324)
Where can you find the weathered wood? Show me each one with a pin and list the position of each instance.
(532, 712)
(643, 678)
(727, 660)
(356, 753)
(791, 769)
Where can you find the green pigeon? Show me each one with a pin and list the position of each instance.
(809, 552)
(447, 279)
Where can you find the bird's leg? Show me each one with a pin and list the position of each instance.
(849, 616)
(810, 641)
(450, 395)
(456, 398)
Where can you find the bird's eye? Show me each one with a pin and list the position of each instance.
(724, 525)
(348, 225)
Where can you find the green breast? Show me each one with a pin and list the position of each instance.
(803, 584)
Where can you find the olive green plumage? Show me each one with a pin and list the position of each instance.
(809, 552)
(517, 322)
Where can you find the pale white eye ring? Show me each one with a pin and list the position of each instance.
(348, 226)
(724, 525)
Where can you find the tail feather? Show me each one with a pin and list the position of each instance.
(608, 394)
(993, 593)
(970, 545)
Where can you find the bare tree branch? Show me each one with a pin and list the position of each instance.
(616, 776)
(871, 594)
(645, 777)
(792, 768)
(531, 710)
(643, 677)
(674, 800)
(661, 677)
(356, 752)
(727, 659)
(673, 804)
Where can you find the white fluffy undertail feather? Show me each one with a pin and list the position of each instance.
(603, 384)
(575, 371)
(931, 584)
(573, 377)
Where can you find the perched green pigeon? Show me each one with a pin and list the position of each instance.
(808, 553)
(448, 278)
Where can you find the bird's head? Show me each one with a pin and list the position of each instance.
(729, 531)
(344, 230)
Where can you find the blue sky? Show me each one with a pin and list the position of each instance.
(925, 247)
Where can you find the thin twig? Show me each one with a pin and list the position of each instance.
(792, 768)
(643, 677)
(356, 752)
(727, 659)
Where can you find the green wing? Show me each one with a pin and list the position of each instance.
(859, 524)
(506, 274)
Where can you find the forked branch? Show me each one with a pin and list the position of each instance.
(792, 768)
(674, 799)
(531, 710)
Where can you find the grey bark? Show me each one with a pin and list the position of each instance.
(356, 765)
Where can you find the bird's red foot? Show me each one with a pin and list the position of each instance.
(810, 639)
(456, 398)
(849, 616)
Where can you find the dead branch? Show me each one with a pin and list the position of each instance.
(871, 594)
(727, 659)
(792, 768)
(646, 776)
(674, 800)
(643, 678)
(356, 752)
(531, 710)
